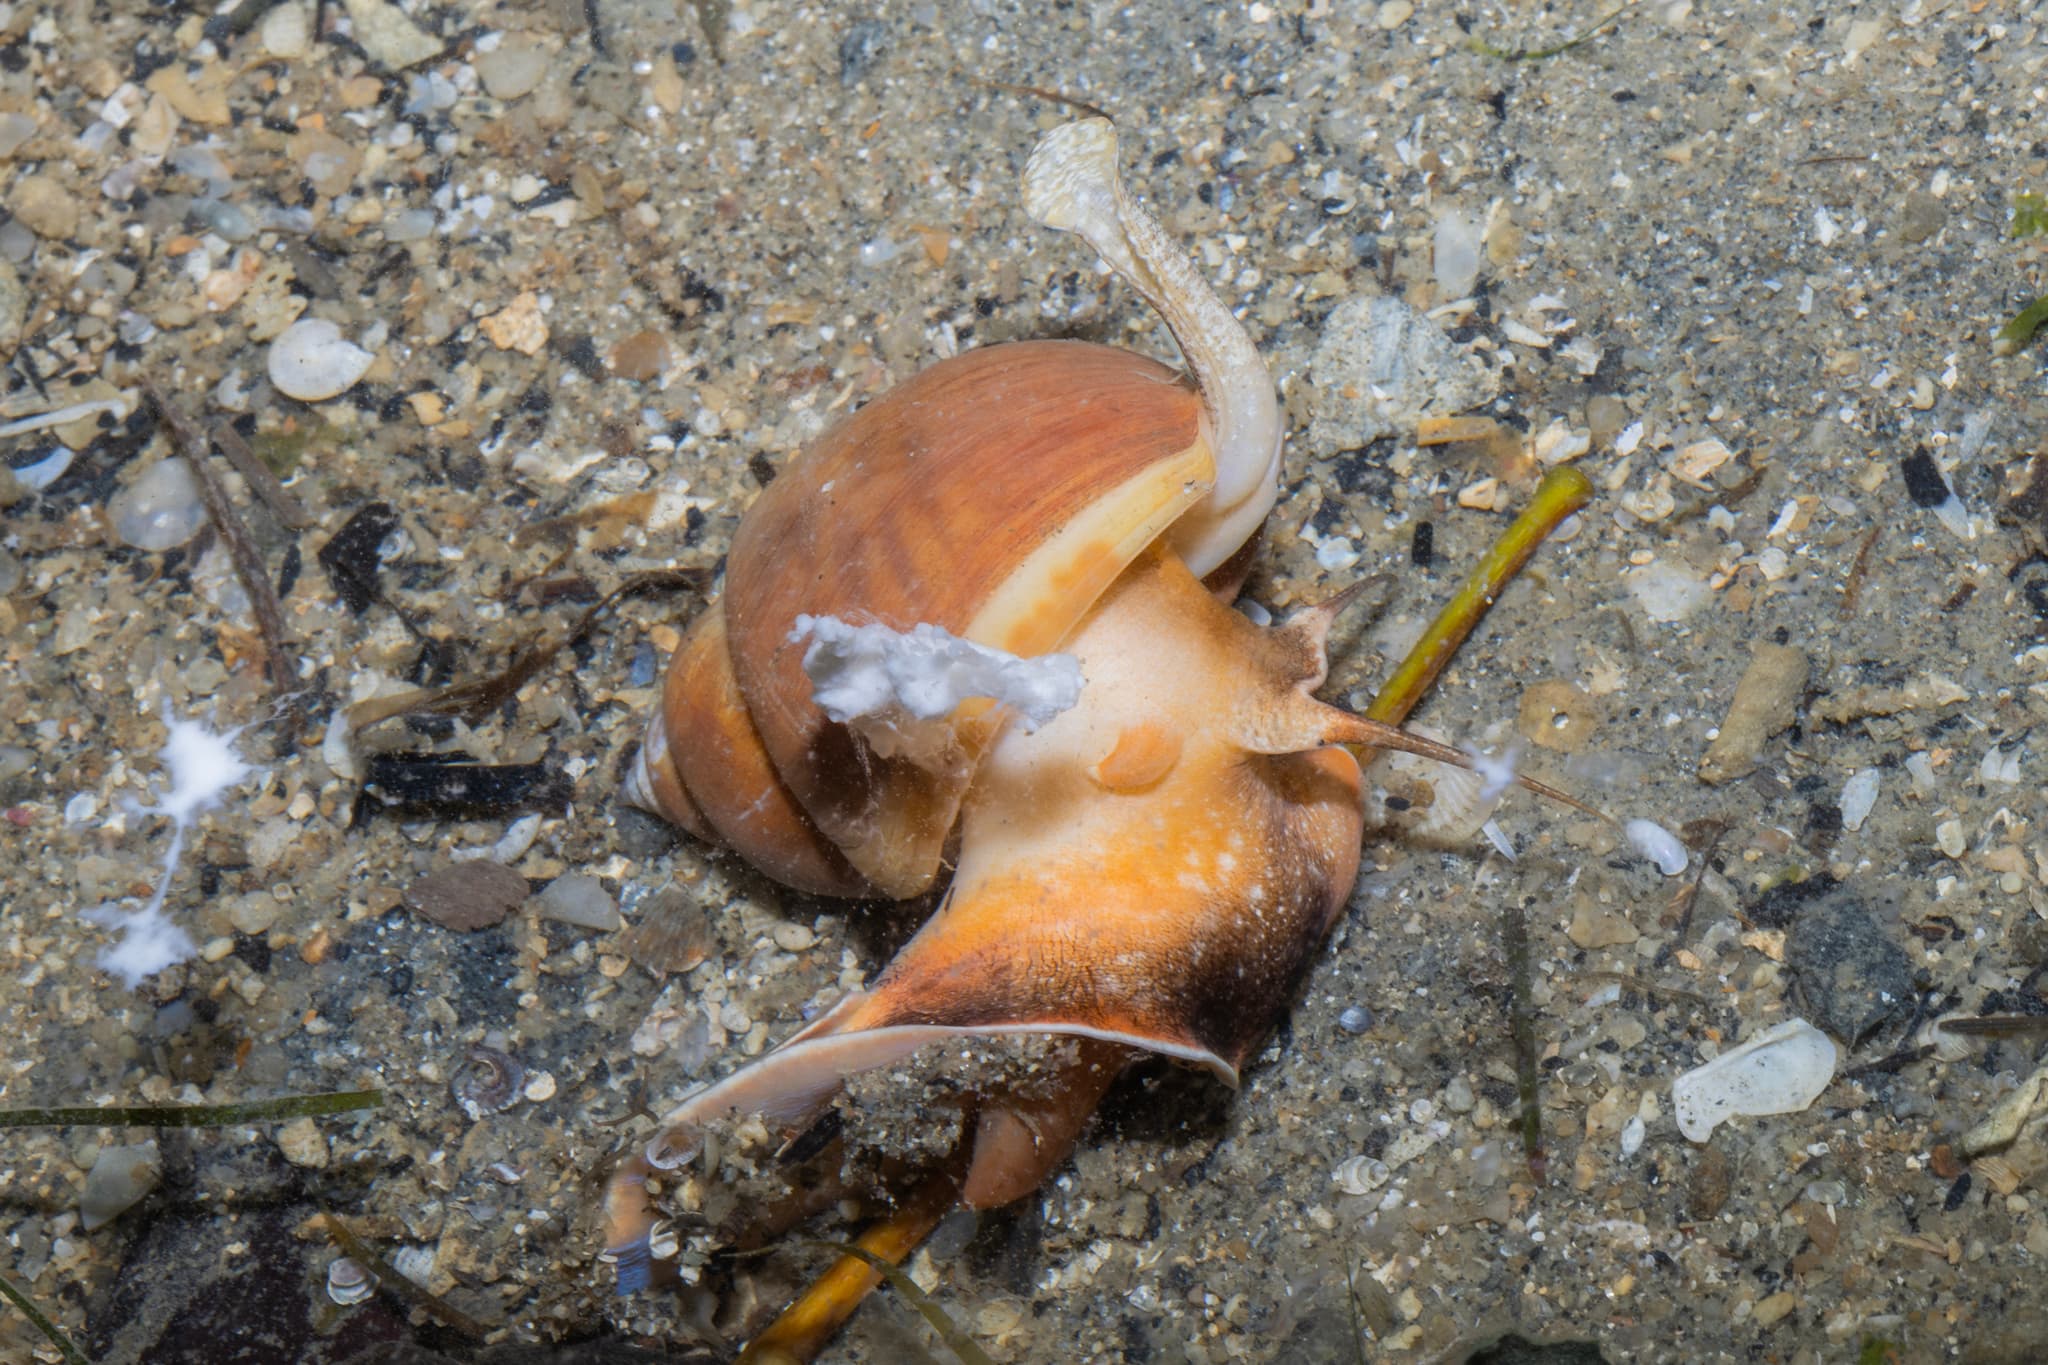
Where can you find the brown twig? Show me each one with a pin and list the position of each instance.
(1522, 1034)
(1041, 93)
(388, 1278)
(248, 561)
(262, 482)
(477, 697)
(1852, 586)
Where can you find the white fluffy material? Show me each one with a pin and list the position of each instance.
(872, 671)
(203, 768)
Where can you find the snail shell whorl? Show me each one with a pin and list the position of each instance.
(997, 495)
(704, 768)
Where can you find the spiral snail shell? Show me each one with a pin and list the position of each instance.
(1152, 869)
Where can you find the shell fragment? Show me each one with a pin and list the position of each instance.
(1780, 1071)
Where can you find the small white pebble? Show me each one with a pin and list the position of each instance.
(1825, 228)
(1336, 553)
(1948, 837)
(1658, 844)
(1921, 768)
(1632, 1136)
(1859, 794)
(540, 1086)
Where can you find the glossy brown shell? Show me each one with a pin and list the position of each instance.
(997, 495)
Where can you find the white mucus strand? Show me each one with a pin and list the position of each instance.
(877, 673)
(1497, 770)
(203, 768)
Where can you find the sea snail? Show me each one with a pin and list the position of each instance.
(1151, 869)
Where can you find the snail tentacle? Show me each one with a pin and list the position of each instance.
(1071, 184)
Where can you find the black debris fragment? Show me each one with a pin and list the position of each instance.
(1848, 973)
(351, 560)
(1783, 903)
(449, 786)
(1924, 482)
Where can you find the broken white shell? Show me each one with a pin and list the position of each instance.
(1658, 844)
(1780, 1071)
(349, 1281)
(121, 1176)
(311, 361)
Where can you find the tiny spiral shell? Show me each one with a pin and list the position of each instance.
(1361, 1174)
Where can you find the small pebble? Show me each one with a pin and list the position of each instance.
(287, 31)
(312, 362)
(303, 1144)
(159, 511)
(1458, 233)
(514, 68)
(15, 129)
(1355, 1019)
(389, 37)
(409, 225)
(1632, 1134)
(641, 356)
(45, 207)
(13, 307)
(15, 759)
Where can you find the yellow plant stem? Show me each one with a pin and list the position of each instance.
(806, 1325)
(1564, 490)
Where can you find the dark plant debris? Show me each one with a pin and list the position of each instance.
(389, 1279)
(451, 786)
(72, 1355)
(350, 555)
(195, 1115)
